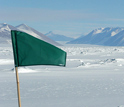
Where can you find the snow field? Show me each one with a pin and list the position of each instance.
(93, 77)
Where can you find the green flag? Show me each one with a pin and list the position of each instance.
(29, 50)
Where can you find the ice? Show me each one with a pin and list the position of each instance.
(93, 77)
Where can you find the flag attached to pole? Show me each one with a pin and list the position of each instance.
(29, 50)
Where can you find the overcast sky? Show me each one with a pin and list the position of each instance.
(68, 17)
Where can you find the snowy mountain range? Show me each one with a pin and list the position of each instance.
(110, 36)
(5, 33)
(58, 37)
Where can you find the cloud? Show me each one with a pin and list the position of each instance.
(35, 14)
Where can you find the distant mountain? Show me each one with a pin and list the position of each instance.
(117, 40)
(58, 37)
(35, 33)
(5, 33)
(102, 36)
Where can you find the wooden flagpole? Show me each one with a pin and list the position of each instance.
(18, 88)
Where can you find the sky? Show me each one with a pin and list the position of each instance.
(67, 17)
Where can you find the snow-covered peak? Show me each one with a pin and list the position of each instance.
(58, 37)
(116, 31)
(27, 29)
(6, 27)
(5, 33)
(23, 26)
(33, 32)
(50, 33)
(109, 36)
(3, 25)
(99, 30)
(113, 33)
(112, 30)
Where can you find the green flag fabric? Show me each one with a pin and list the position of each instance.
(29, 50)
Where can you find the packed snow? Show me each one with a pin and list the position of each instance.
(93, 77)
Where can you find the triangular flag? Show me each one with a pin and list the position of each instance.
(29, 50)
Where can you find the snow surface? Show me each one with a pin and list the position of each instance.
(93, 77)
